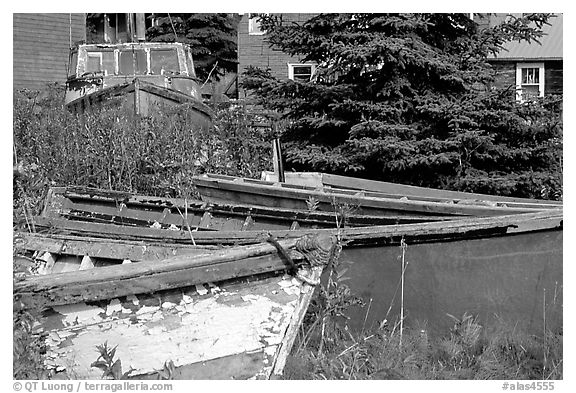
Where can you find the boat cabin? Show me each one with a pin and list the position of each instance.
(103, 70)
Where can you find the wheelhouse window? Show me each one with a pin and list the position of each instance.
(132, 62)
(189, 62)
(164, 61)
(529, 81)
(101, 62)
(73, 63)
(301, 72)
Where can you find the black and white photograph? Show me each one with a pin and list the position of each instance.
(287, 195)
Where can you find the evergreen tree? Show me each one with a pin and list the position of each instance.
(408, 98)
(212, 38)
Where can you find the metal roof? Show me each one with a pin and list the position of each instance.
(549, 48)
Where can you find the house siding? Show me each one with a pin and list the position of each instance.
(254, 50)
(41, 45)
(553, 75)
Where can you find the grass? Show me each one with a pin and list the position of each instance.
(466, 351)
(112, 150)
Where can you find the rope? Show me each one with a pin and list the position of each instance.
(315, 254)
(313, 251)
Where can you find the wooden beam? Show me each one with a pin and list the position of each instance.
(104, 248)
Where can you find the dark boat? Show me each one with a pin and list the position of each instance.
(229, 189)
(178, 311)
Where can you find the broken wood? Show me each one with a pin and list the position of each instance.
(150, 276)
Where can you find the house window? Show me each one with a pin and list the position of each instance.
(529, 81)
(301, 72)
(254, 25)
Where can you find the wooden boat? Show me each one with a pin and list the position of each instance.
(229, 189)
(201, 313)
(393, 190)
(121, 208)
(141, 73)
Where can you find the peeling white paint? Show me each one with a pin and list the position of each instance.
(197, 329)
(201, 290)
(80, 313)
(168, 305)
(114, 306)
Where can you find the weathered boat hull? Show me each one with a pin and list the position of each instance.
(203, 313)
(121, 208)
(504, 279)
(141, 96)
(228, 189)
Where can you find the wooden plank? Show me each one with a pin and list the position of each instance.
(306, 294)
(103, 248)
(148, 276)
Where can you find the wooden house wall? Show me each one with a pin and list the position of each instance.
(553, 74)
(254, 50)
(42, 45)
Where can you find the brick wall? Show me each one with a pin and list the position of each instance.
(254, 50)
(42, 45)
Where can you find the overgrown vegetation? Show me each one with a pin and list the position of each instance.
(112, 150)
(411, 98)
(467, 351)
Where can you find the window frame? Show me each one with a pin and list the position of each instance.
(291, 67)
(519, 85)
(254, 25)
